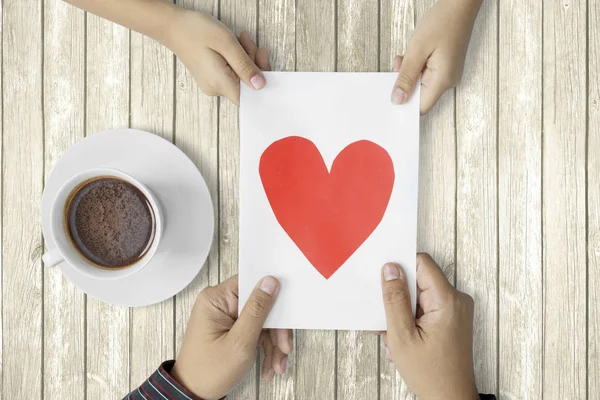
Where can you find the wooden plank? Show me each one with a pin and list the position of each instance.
(1, 196)
(564, 203)
(357, 51)
(107, 107)
(22, 169)
(277, 33)
(196, 119)
(238, 16)
(520, 200)
(397, 22)
(437, 178)
(64, 88)
(152, 86)
(593, 199)
(315, 51)
(476, 197)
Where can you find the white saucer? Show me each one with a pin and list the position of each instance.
(185, 201)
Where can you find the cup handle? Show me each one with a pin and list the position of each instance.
(52, 258)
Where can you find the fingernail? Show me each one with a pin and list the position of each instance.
(270, 374)
(390, 272)
(398, 96)
(387, 352)
(284, 363)
(268, 285)
(257, 81)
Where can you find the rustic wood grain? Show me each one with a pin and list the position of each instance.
(476, 198)
(437, 178)
(397, 22)
(277, 33)
(519, 200)
(593, 201)
(64, 90)
(23, 174)
(315, 351)
(238, 16)
(1, 199)
(107, 107)
(357, 51)
(196, 133)
(564, 203)
(542, 235)
(152, 86)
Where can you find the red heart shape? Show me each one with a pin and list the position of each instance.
(328, 215)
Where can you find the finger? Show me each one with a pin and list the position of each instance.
(432, 283)
(408, 75)
(228, 85)
(230, 284)
(396, 299)
(430, 276)
(241, 64)
(267, 370)
(279, 361)
(250, 323)
(273, 335)
(388, 353)
(262, 59)
(229, 290)
(284, 339)
(248, 45)
(397, 63)
(432, 88)
(224, 80)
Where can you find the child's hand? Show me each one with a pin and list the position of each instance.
(437, 49)
(434, 352)
(219, 348)
(214, 56)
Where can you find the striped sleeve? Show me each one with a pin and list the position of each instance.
(161, 386)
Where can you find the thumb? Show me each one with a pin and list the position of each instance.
(396, 299)
(242, 64)
(410, 69)
(431, 92)
(250, 323)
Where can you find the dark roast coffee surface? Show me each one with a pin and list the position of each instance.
(111, 222)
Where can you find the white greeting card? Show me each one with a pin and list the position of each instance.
(328, 195)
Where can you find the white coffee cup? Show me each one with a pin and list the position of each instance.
(66, 251)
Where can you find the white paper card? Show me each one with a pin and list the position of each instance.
(325, 228)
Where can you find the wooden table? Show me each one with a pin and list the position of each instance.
(509, 200)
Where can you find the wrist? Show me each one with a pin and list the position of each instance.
(178, 373)
(196, 383)
(164, 32)
(470, 393)
(470, 6)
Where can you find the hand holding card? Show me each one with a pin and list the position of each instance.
(328, 193)
(219, 348)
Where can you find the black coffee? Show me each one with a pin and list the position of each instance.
(110, 221)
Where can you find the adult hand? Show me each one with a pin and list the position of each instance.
(437, 49)
(219, 348)
(214, 56)
(434, 352)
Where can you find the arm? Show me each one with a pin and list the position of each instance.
(152, 18)
(437, 50)
(211, 52)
